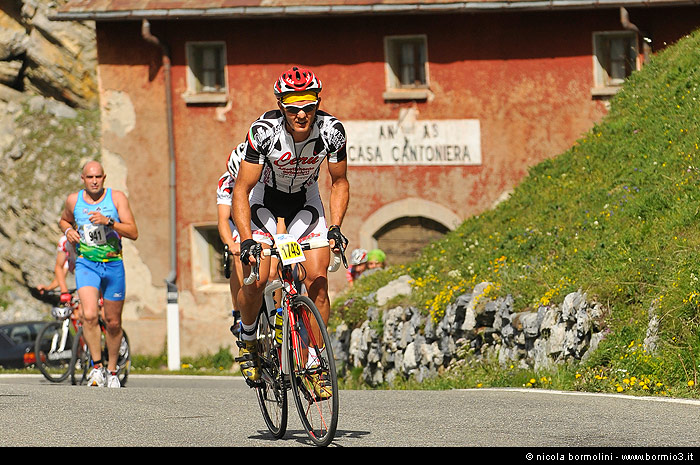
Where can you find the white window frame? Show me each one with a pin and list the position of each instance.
(206, 251)
(603, 82)
(198, 92)
(395, 90)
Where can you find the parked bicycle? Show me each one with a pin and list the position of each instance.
(53, 345)
(287, 340)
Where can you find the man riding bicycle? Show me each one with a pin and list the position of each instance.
(285, 148)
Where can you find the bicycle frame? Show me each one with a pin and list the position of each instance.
(70, 319)
(286, 282)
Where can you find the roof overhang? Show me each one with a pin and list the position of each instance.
(261, 11)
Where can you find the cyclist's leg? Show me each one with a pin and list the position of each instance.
(250, 297)
(113, 302)
(309, 224)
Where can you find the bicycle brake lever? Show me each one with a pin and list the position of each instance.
(227, 261)
(255, 251)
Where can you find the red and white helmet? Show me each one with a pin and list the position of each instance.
(297, 80)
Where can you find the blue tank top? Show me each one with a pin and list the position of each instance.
(98, 242)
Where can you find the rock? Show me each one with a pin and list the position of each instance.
(397, 287)
(49, 58)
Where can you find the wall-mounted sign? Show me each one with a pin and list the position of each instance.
(426, 142)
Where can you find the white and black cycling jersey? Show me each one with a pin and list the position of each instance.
(224, 189)
(288, 166)
(234, 160)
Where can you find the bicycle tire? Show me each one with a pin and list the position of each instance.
(318, 415)
(271, 390)
(52, 358)
(81, 362)
(124, 360)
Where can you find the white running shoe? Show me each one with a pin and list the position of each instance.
(113, 381)
(96, 377)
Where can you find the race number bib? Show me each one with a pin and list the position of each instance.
(289, 249)
(94, 234)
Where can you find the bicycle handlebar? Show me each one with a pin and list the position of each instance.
(255, 268)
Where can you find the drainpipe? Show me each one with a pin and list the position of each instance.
(646, 41)
(173, 312)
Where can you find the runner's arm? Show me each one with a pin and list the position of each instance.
(126, 226)
(67, 220)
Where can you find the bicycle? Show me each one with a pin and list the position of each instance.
(284, 361)
(81, 360)
(53, 344)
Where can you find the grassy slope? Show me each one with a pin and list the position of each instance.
(615, 216)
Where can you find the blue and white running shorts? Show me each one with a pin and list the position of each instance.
(108, 277)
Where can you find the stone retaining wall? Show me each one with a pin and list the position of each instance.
(402, 342)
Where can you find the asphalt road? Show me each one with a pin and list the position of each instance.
(180, 411)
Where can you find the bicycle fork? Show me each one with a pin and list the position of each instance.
(64, 337)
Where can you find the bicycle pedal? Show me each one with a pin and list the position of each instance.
(254, 384)
(236, 330)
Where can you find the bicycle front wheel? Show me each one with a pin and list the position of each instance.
(271, 391)
(313, 373)
(53, 350)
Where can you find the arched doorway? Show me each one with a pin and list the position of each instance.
(404, 227)
(403, 238)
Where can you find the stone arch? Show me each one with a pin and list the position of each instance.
(405, 210)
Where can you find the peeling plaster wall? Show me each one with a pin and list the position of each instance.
(526, 77)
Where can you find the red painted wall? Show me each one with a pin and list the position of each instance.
(527, 78)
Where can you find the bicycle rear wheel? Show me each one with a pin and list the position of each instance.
(80, 360)
(271, 390)
(314, 379)
(53, 350)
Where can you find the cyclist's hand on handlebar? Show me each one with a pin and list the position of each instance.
(66, 297)
(250, 252)
(339, 241)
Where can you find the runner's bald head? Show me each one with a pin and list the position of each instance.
(91, 166)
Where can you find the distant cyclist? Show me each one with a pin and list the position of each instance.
(95, 219)
(65, 264)
(285, 149)
(358, 265)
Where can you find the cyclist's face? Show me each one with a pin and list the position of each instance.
(299, 117)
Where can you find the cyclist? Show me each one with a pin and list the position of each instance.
(95, 219)
(358, 265)
(285, 148)
(228, 233)
(227, 228)
(65, 263)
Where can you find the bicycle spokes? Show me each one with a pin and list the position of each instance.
(313, 375)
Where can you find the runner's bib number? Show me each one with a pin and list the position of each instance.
(94, 234)
(289, 249)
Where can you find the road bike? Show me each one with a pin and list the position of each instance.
(297, 354)
(81, 360)
(53, 344)
(61, 350)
